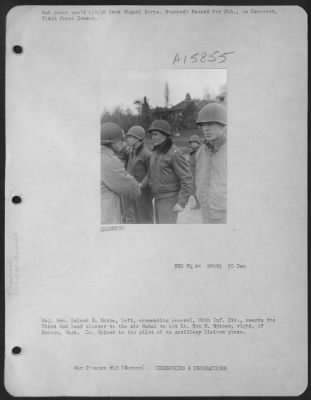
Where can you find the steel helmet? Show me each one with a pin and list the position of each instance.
(136, 131)
(213, 112)
(110, 133)
(195, 138)
(162, 126)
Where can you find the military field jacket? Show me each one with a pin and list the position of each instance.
(169, 173)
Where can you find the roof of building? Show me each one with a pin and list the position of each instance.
(182, 105)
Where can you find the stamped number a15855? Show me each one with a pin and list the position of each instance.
(217, 57)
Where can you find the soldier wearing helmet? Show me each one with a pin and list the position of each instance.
(139, 210)
(115, 180)
(195, 143)
(211, 168)
(169, 175)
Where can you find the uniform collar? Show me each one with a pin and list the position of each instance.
(106, 149)
(192, 151)
(217, 144)
(138, 149)
(164, 146)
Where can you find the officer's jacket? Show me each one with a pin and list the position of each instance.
(211, 182)
(115, 181)
(169, 173)
(140, 210)
(138, 163)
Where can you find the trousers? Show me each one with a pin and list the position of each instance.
(163, 210)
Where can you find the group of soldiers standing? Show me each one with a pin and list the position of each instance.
(139, 186)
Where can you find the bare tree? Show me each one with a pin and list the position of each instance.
(139, 105)
(166, 95)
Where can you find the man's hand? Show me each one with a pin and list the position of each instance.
(177, 208)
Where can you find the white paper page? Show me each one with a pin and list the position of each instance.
(159, 310)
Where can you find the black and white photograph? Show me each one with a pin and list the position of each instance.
(156, 201)
(164, 147)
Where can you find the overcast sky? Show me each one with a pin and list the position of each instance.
(122, 88)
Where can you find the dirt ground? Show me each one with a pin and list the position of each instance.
(189, 216)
